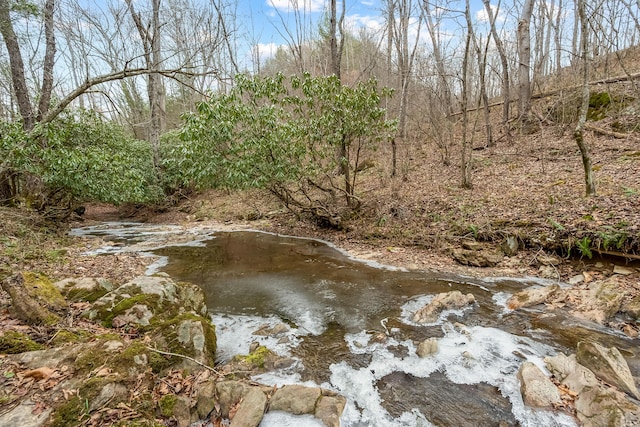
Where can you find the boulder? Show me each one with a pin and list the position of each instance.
(173, 315)
(532, 296)
(295, 399)
(608, 365)
(427, 347)
(251, 409)
(476, 258)
(83, 288)
(443, 301)
(571, 373)
(602, 406)
(329, 410)
(536, 388)
(229, 394)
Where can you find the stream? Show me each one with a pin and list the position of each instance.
(335, 307)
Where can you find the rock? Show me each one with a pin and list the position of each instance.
(182, 411)
(295, 399)
(229, 393)
(112, 394)
(443, 301)
(427, 347)
(139, 314)
(618, 269)
(608, 365)
(546, 259)
(548, 272)
(22, 416)
(476, 258)
(510, 246)
(83, 288)
(574, 280)
(537, 390)
(34, 299)
(329, 410)
(205, 400)
(169, 313)
(600, 406)
(251, 409)
(571, 373)
(532, 296)
(632, 307)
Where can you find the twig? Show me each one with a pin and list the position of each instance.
(167, 353)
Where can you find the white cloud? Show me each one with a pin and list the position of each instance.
(483, 16)
(265, 51)
(299, 5)
(354, 22)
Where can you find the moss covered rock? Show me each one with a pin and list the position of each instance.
(84, 288)
(14, 342)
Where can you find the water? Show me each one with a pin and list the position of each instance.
(350, 329)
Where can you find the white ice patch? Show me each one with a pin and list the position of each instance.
(500, 299)
(467, 356)
(235, 333)
(285, 419)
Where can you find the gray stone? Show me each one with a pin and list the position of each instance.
(329, 410)
(618, 269)
(22, 416)
(427, 347)
(476, 258)
(80, 286)
(139, 314)
(190, 332)
(205, 400)
(182, 411)
(111, 393)
(251, 409)
(162, 286)
(600, 406)
(532, 296)
(571, 373)
(537, 390)
(296, 399)
(229, 393)
(443, 301)
(608, 365)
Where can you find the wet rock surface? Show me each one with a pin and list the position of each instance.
(443, 301)
(441, 400)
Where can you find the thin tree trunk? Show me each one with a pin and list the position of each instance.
(49, 59)
(506, 96)
(465, 161)
(578, 134)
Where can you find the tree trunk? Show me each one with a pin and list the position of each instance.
(49, 60)
(578, 133)
(524, 61)
(17, 66)
(465, 161)
(506, 95)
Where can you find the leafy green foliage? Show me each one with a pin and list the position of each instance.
(280, 134)
(84, 156)
(584, 246)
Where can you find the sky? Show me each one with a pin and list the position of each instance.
(271, 23)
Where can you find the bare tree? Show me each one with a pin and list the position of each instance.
(578, 133)
(524, 61)
(150, 37)
(465, 161)
(506, 95)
